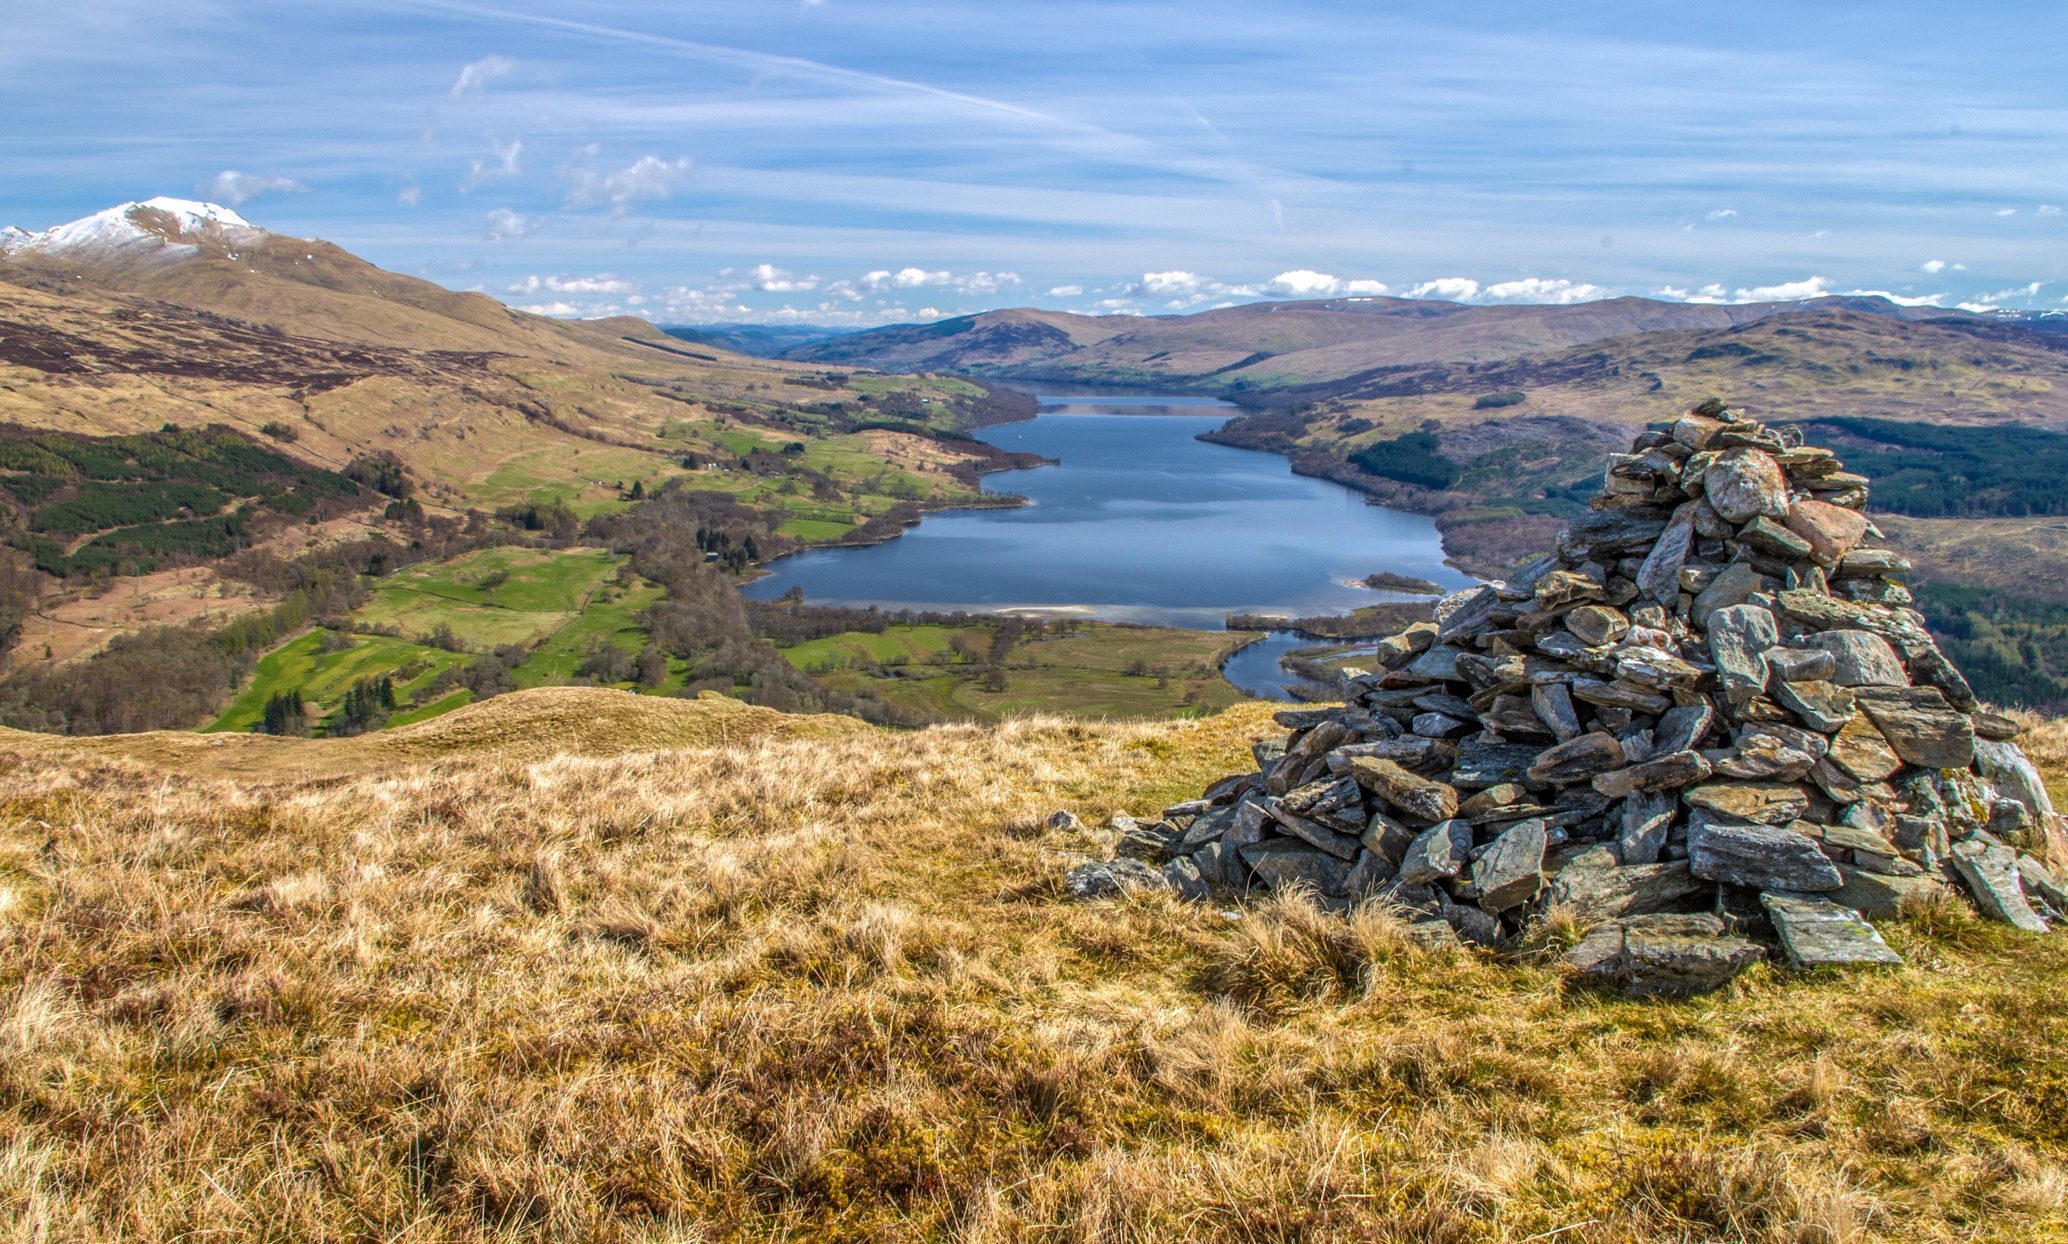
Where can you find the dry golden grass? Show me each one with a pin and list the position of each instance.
(809, 981)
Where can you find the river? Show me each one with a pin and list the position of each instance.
(1138, 521)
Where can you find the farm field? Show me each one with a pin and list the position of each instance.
(559, 603)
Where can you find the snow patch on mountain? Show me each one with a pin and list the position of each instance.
(158, 228)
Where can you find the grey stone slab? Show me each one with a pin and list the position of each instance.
(1816, 933)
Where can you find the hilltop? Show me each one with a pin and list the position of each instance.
(796, 977)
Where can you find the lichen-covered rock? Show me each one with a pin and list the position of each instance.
(1111, 878)
(1758, 857)
(1817, 933)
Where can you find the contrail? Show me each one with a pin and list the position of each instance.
(1109, 143)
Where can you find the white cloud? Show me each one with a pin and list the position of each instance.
(2048, 209)
(1723, 213)
(770, 279)
(479, 74)
(1307, 283)
(233, 187)
(1990, 302)
(2005, 211)
(1161, 284)
(707, 305)
(1933, 266)
(1555, 290)
(504, 165)
(1455, 288)
(505, 225)
(1786, 291)
(911, 278)
(410, 195)
(561, 310)
(646, 179)
(601, 283)
(1901, 300)
(1066, 291)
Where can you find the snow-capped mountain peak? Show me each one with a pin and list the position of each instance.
(162, 228)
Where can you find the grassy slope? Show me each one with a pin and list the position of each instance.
(1099, 672)
(565, 600)
(804, 979)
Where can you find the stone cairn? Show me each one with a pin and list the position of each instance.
(1707, 726)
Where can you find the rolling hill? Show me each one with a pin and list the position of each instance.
(1259, 351)
(237, 426)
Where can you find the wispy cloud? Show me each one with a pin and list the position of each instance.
(234, 188)
(648, 179)
(506, 225)
(602, 283)
(505, 164)
(478, 74)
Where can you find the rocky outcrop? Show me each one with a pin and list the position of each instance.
(1707, 727)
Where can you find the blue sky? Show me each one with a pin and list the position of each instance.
(860, 161)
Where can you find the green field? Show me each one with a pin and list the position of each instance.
(324, 677)
(494, 597)
(1100, 670)
(560, 604)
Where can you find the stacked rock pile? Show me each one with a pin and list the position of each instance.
(1707, 726)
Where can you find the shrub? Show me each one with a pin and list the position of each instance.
(1409, 459)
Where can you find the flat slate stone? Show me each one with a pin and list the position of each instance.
(1921, 726)
(1681, 727)
(1484, 761)
(1768, 803)
(1412, 794)
(1112, 878)
(1878, 896)
(1437, 853)
(1830, 530)
(1511, 872)
(1552, 702)
(1860, 658)
(1641, 827)
(1283, 862)
(1990, 870)
(1816, 932)
(1822, 706)
(1738, 639)
(1578, 760)
(1596, 892)
(1660, 963)
(1860, 749)
(1758, 857)
(1734, 585)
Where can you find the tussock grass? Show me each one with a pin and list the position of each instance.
(798, 980)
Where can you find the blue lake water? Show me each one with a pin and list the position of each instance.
(1137, 522)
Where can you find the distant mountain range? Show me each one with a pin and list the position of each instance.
(1262, 351)
(760, 340)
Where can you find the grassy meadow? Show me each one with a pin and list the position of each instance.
(577, 965)
(1096, 670)
(560, 603)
